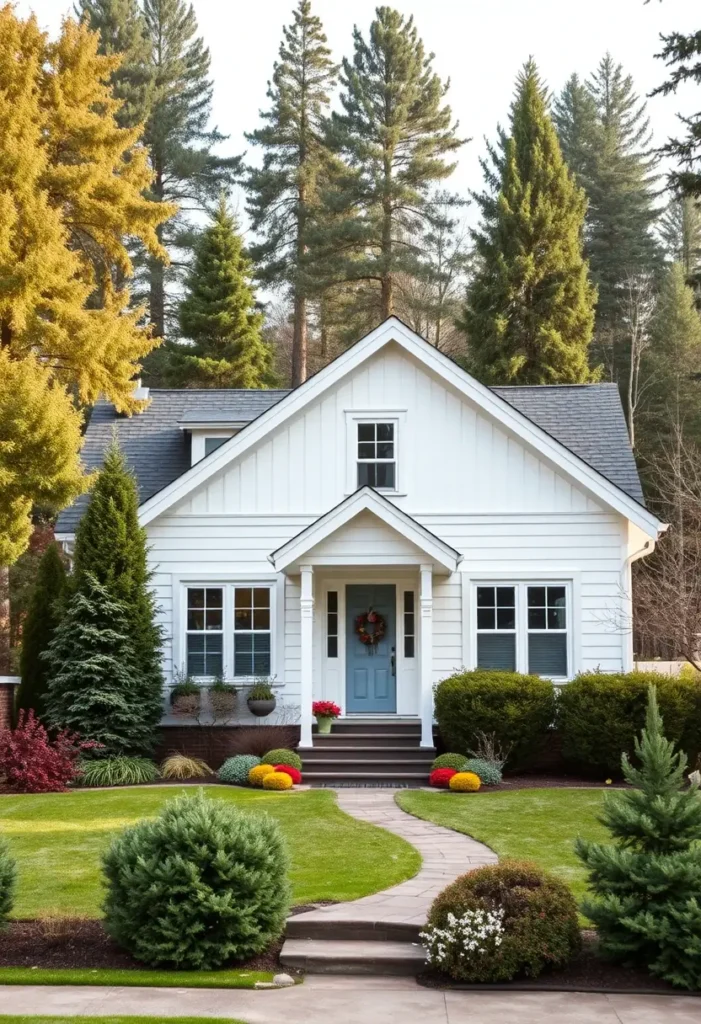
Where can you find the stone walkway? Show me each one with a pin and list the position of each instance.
(446, 854)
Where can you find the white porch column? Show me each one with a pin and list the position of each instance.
(306, 654)
(426, 648)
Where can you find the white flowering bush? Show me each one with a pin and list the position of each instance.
(464, 938)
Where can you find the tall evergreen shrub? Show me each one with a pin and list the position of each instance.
(43, 616)
(646, 886)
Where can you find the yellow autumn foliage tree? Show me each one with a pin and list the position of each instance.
(72, 190)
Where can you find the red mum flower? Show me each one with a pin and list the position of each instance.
(292, 772)
(440, 777)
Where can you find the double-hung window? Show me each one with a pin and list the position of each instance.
(377, 466)
(228, 631)
(524, 627)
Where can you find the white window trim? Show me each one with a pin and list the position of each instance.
(197, 440)
(521, 581)
(276, 585)
(397, 417)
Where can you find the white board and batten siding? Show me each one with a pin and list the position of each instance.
(466, 478)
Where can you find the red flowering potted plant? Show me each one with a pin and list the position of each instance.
(325, 711)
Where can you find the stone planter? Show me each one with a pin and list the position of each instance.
(324, 723)
(261, 708)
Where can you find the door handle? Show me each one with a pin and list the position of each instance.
(393, 662)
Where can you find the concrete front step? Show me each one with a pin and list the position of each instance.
(353, 956)
(350, 753)
(373, 739)
(314, 925)
(383, 765)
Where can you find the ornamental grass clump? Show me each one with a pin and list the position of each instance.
(282, 756)
(180, 766)
(235, 770)
(646, 887)
(8, 881)
(531, 913)
(118, 771)
(200, 886)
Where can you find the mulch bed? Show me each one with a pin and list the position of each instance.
(74, 942)
(588, 973)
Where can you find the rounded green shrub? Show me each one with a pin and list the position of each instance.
(120, 770)
(599, 715)
(235, 769)
(282, 756)
(8, 881)
(489, 773)
(519, 710)
(456, 761)
(201, 885)
(531, 913)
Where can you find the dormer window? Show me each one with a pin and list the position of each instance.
(212, 443)
(377, 465)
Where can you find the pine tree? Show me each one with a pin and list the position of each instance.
(110, 547)
(575, 118)
(682, 53)
(94, 685)
(43, 616)
(673, 366)
(680, 230)
(394, 135)
(646, 888)
(122, 31)
(218, 314)
(283, 200)
(187, 171)
(530, 308)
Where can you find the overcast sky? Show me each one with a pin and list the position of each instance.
(478, 44)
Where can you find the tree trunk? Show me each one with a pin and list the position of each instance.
(299, 341)
(4, 620)
(5, 334)
(157, 296)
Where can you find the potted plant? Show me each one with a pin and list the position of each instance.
(261, 699)
(223, 698)
(186, 697)
(325, 711)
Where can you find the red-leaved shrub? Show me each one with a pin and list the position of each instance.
(293, 773)
(440, 777)
(33, 763)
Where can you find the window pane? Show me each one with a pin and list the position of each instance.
(261, 618)
(212, 443)
(195, 619)
(332, 647)
(547, 654)
(204, 654)
(536, 618)
(261, 597)
(385, 450)
(195, 597)
(243, 597)
(214, 597)
(557, 618)
(366, 431)
(332, 599)
(366, 450)
(261, 654)
(408, 646)
(506, 597)
(366, 474)
(332, 624)
(497, 650)
(243, 618)
(195, 655)
(385, 474)
(252, 654)
(409, 623)
(556, 596)
(506, 618)
(536, 597)
(485, 597)
(485, 618)
(408, 600)
(214, 618)
(385, 431)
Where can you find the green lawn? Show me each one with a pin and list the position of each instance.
(17, 1019)
(57, 840)
(231, 978)
(533, 824)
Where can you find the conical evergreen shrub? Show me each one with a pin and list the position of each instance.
(94, 688)
(43, 616)
(646, 886)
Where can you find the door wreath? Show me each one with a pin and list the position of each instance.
(370, 638)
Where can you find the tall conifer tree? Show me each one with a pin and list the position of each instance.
(395, 135)
(218, 315)
(680, 230)
(43, 616)
(110, 549)
(682, 54)
(530, 309)
(283, 200)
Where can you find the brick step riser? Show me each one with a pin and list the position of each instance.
(365, 931)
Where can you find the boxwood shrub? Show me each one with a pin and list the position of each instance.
(599, 714)
(518, 709)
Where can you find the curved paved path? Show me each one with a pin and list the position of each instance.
(446, 854)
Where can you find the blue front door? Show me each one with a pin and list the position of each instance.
(371, 682)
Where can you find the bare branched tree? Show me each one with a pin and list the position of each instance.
(667, 586)
(637, 310)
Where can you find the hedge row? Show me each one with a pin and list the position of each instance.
(597, 715)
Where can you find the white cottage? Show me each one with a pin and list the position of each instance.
(475, 525)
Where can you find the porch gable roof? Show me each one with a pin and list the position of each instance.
(437, 551)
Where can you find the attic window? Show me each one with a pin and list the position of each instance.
(212, 443)
(376, 455)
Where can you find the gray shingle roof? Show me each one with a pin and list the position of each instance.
(588, 419)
